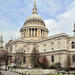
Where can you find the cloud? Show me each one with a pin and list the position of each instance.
(58, 15)
(8, 29)
(64, 22)
(8, 34)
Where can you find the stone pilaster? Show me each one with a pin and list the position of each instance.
(39, 33)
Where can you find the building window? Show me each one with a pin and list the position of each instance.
(24, 59)
(73, 44)
(30, 32)
(11, 48)
(73, 58)
(44, 50)
(35, 32)
(52, 58)
(52, 49)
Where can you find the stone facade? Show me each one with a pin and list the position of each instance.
(34, 36)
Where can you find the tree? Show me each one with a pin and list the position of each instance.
(19, 57)
(1, 60)
(6, 59)
(43, 61)
(34, 57)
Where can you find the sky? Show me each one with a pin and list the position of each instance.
(58, 15)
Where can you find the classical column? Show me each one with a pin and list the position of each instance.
(42, 33)
(25, 32)
(28, 32)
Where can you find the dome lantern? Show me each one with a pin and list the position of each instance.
(34, 8)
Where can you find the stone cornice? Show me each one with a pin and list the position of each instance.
(37, 41)
(46, 53)
(38, 27)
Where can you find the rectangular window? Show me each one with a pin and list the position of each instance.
(35, 32)
(11, 48)
(52, 58)
(73, 58)
(24, 59)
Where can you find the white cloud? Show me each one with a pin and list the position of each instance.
(7, 29)
(8, 34)
(14, 12)
(64, 21)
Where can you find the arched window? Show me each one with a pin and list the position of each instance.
(73, 45)
(52, 58)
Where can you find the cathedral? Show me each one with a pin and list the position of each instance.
(34, 40)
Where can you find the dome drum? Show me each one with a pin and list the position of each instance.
(43, 28)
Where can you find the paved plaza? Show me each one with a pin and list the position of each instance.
(9, 73)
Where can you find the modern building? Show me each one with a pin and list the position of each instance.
(34, 38)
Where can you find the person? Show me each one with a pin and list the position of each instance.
(68, 68)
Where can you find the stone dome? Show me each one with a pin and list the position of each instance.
(34, 18)
(34, 27)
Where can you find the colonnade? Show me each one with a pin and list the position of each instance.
(33, 32)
